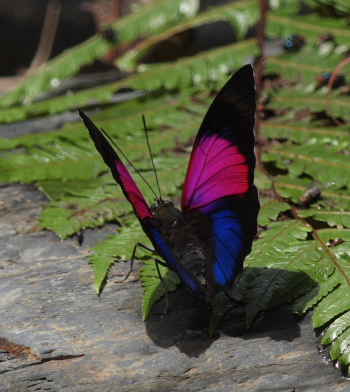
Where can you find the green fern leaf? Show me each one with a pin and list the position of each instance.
(338, 218)
(304, 132)
(270, 209)
(336, 328)
(291, 187)
(153, 287)
(102, 260)
(324, 163)
(81, 204)
(282, 281)
(261, 180)
(331, 234)
(336, 303)
(314, 296)
(341, 346)
(295, 100)
(220, 306)
(114, 248)
(241, 14)
(284, 22)
(147, 20)
(211, 65)
(296, 69)
(217, 63)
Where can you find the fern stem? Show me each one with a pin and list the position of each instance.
(323, 245)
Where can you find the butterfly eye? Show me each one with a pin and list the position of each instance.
(154, 206)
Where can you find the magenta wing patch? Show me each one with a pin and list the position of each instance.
(131, 191)
(216, 169)
(222, 162)
(118, 169)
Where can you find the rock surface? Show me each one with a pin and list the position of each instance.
(57, 335)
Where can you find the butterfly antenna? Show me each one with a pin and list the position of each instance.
(129, 162)
(151, 155)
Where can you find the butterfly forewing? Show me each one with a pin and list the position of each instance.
(219, 181)
(222, 161)
(148, 223)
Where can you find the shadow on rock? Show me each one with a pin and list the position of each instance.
(265, 293)
(186, 324)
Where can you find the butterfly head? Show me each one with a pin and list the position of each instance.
(160, 203)
(167, 215)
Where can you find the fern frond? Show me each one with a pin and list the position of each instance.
(333, 305)
(242, 15)
(304, 132)
(326, 163)
(152, 285)
(211, 65)
(114, 248)
(147, 20)
(294, 99)
(270, 209)
(101, 201)
(284, 22)
(293, 188)
(339, 218)
(336, 328)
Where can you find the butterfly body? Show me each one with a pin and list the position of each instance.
(182, 237)
(206, 242)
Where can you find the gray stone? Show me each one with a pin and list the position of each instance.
(57, 335)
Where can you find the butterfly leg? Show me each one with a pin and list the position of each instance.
(141, 245)
(159, 262)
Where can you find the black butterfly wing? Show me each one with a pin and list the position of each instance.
(138, 202)
(219, 181)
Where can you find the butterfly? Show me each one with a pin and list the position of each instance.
(207, 241)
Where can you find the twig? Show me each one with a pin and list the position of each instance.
(330, 88)
(47, 37)
(259, 69)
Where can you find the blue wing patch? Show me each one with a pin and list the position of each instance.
(233, 228)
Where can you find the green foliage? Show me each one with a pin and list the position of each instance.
(327, 163)
(270, 209)
(152, 285)
(302, 132)
(288, 246)
(242, 15)
(146, 21)
(115, 248)
(195, 70)
(221, 304)
(82, 204)
(285, 21)
(301, 254)
(338, 218)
